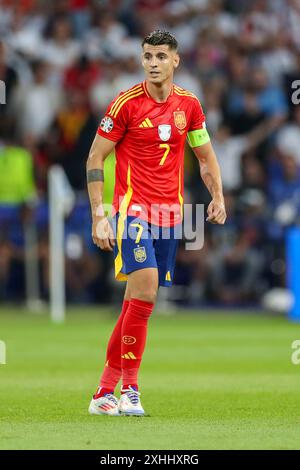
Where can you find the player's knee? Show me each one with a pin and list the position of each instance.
(150, 297)
(143, 285)
(145, 293)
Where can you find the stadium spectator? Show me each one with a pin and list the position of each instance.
(285, 192)
(36, 104)
(231, 148)
(288, 138)
(237, 262)
(60, 49)
(104, 39)
(7, 75)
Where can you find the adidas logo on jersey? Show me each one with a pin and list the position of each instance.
(146, 123)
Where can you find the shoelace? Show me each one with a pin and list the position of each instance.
(133, 396)
(110, 397)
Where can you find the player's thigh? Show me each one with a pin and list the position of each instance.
(143, 284)
(127, 295)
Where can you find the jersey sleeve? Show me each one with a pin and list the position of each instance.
(197, 134)
(113, 125)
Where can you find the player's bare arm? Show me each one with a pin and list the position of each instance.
(102, 232)
(210, 173)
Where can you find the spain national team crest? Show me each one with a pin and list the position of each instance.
(140, 254)
(164, 132)
(180, 120)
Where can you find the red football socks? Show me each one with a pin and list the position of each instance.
(134, 334)
(110, 377)
(126, 346)
(112, 370)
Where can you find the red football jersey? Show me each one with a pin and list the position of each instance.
(150, 140)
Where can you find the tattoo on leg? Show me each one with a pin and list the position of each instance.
(95, 175)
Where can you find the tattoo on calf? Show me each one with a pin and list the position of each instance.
(95, 175)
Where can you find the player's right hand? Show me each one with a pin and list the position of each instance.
(102, 233)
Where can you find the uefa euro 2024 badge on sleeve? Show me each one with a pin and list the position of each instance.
(107, 124)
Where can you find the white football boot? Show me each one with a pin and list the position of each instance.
(130, 404)
(106, 405)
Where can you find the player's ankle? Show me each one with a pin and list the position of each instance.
(101, 391)
(129, 386)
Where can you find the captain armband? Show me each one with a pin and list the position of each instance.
(198, 137)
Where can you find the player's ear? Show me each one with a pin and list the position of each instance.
(176, 60)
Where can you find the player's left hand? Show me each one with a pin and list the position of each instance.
(216, 212)
(102, 233)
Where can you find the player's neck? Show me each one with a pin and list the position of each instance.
(159, 91)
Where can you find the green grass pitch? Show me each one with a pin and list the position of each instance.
(209, 381)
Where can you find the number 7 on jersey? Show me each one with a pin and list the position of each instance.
(167, 147)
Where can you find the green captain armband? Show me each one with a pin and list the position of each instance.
(198, 137)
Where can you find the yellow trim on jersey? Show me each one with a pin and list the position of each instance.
(179, 93)
(146, 123)
(178, 88)
(127, 99)
(145, 88)
(180, 198)
(121, 97)
(184, 93)
(122, 102)
(168, 276)
(135, 88)
(120, 229)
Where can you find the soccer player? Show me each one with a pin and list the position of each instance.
(147, 126)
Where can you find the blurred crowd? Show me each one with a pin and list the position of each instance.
(63, 61)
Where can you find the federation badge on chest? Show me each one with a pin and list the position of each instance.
(179, 119)
(140, 254)
(164, 132)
